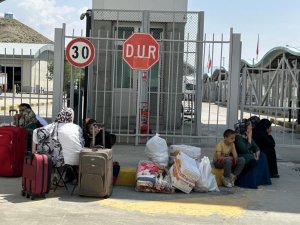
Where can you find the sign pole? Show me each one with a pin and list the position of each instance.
(141, 52)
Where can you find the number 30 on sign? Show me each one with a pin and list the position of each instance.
(80, 52)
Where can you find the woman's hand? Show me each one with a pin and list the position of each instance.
(257, 155)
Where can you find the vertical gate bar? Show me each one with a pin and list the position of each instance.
(71, 97)
(158, 90)
(234, 79)
(282, 82)
(22, 56)
(105, 79)
(58, 76)
(176, 85)
(169, 82)
(114, 81)
(220, 74)
(13, 78)
(137, 112)
(47, 86)
(199, 72)
(30, 75)
(39, 92)
(97, 79)
(183, 82)
(219, 80)
(244, 86)
(113, 113)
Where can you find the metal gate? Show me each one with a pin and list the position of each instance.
(27, 72)
(272, 91)
(118, 96)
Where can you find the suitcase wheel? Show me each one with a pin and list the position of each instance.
(32, 197)
(27, 195)
(43, 195)
(23, 193)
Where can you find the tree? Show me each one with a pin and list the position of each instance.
(68, 69)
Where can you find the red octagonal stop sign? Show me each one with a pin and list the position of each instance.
(141, 51)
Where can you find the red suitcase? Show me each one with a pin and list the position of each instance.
(36, 179)
(12, 150)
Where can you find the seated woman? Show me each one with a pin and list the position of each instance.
(90, 128)
(256, 170)
(254, 121)
(109, 139)
(62, 139)
(263, 138)
(28, 120)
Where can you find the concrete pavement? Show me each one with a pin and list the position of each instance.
(274, 204)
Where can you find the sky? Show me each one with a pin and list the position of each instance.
(276, 22)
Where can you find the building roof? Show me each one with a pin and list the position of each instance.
(270, 59)
(13, 31)
(25, 49)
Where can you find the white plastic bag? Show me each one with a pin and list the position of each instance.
(207, 181)
(157, 150)
(191, 151)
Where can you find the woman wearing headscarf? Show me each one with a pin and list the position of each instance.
(62, 139)
(256, 170)
(28, 120)
(263, 138)
(254, 121)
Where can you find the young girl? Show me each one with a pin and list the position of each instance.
(110, 139)
(226, 158)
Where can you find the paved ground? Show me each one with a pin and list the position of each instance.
(275, 204)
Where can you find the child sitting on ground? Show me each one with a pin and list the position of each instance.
(226, 158)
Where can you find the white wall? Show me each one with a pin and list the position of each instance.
(160, 5)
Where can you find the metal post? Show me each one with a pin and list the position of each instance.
(142, 85)
(199, 73)
(58, 75)
(234, 79)
(86, 87)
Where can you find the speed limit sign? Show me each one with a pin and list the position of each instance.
(80, 52)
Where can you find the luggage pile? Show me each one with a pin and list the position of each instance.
(175, 167)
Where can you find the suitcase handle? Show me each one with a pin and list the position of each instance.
(103, 136)
(12, 110)
(12, 116)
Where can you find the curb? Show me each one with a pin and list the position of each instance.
(127, 176)
(9, 107)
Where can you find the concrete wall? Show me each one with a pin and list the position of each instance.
(34, 77)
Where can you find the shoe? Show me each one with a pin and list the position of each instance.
(275, 176)
(226, 182)
(232, 179)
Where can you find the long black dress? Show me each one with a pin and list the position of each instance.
(266, 144)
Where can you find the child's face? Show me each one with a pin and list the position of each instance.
(97, 129)
(229, 139)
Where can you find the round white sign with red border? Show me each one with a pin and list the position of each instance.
(80, 52)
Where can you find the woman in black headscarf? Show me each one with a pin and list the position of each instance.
(263, 138)
(256, 170)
